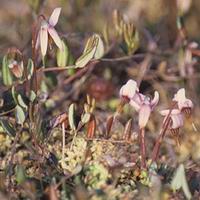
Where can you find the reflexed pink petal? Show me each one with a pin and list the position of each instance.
(55, 37)
(43, 39)
(54, 16)
(129, 89)
(155, 100)
(144, 114)
(166, 112)
(186, 104)
(180, 95)
(177, 121)
(140, 98)
(181, 99)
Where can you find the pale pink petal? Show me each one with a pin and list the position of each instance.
(173, 112)
(164, 112)
(139, 98)
(177, 121)
(180, 95)
(129, 89)
(193, 45)
(53, 20)
(184, 5)
(181, 99)
(43, 39)
(135, 105)
(144, 114)
(55, 37)
(155, 100)
(189, 103)
(186, 104)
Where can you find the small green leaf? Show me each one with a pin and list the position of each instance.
(85, 118)
(7, 77)
(43, 87)
(85, 58)
(32, 96)
(14, 95)
(30, 68)
(62, 55)
(100, 47)
(94, 48)
(71, 116)
(20, 174)
(20, 115)
(21, 101)
(179, 181)
(7, 127)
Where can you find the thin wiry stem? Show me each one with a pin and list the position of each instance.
(63, 140)
(162, 135)
(142, 148)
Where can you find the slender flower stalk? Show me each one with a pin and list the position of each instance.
(63, 141)
(142, 147)
(161, 136)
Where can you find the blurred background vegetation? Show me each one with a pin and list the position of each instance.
(83, 16)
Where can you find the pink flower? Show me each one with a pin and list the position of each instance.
(175, 116)
(48, 27)
(183, 102)
(129, 89)
(144, 106)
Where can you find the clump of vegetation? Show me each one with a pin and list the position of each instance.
(83, 115)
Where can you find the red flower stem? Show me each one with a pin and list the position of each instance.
(162, 135)
(142, 147)
(159, 140)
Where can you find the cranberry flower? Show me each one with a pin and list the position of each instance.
(176, 118)
(144, 106)
(48, 27)
(128, 90)
(183, 102)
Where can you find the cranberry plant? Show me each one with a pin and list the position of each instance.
(77, 123)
